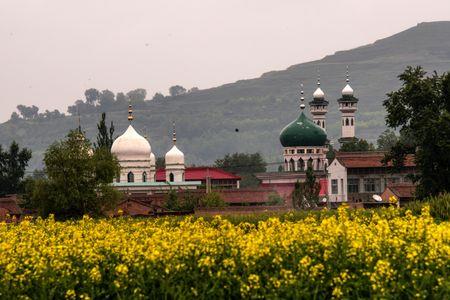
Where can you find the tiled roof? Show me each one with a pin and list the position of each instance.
(10, 204)
(199, 174)
(371, 159)
(403, 190)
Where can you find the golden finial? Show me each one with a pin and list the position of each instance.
(130, 112)
(174, 134)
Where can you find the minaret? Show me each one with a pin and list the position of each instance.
(319, 107)
(174, 161)
(348, 107)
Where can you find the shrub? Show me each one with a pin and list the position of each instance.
(212, 199)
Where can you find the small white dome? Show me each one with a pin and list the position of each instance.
(347, 91)
(152, 159)
(174, 156)
(131, 146)
(319, 94)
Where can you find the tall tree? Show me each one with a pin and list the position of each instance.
(421, 109)
(105, 136)
(28, 112)
(357, 145)
(77, 180)
(245, 165)
(306, 194)
(12, 168)
(137, 95)
(386, 140)
(92, 96)
(106, 99)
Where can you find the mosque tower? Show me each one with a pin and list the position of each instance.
(133, 152)
(348, 107)
(304, 143)
(174, 161)
(319, 107)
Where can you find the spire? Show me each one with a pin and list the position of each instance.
(302, 98)
(130, 112)
(174, 134)
(347, 90)
(318, 94)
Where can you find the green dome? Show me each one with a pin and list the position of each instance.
(302, 132)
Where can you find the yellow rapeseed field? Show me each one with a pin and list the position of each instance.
(347, 255)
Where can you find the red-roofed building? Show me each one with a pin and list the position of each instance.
(218, 178)
(404, 192)
(357, 176)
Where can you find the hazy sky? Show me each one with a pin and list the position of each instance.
(53, 50)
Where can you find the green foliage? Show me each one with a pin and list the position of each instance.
(105, 136)
(177, 90)
(357, 145)
(439, 206)
(421, 109)
(12, 168)
(306, 194)
(172, 202)
(387, 140)
(185, 201)
(275, 199)
(212, 199)
(245, 165)
(78, 181)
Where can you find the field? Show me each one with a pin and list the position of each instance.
(387, 253)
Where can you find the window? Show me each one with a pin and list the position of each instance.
(372, 185)
(118, 179)
(334, 186)
(144, 177)
(300, 165)
(302, 150)
(353, 185)
(317, 150)
(393, 180)
(171, 177)
(292, 165)
(346, 122)
(130, 177)
(351, 121)
(310, 151)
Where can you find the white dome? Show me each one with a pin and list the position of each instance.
(347, 91)
(131, 146)
(152, 159)
(174, 156)
(319, 94)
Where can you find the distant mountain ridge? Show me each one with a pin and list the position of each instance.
(207, 119)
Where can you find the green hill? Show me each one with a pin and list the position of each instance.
(261, 107)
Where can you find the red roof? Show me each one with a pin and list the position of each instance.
(9, 203)
(403, 190)
(200, 174)
(370, 159)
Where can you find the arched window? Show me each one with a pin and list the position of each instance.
(351, 120)
(130, 177)
(346, 122)
(144, 177)
(300, 165)
(292, 165)
(286, 165)
(171, 177)
(323, 124)
(310, 162)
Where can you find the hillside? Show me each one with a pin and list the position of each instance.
(261, 107)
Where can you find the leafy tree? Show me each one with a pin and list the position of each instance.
(212, 199)
(245, 165)
(137, 95)
(172, 202)
(331, 154)
(357, 145)
(12, 168)
(121, 99)
(306, 194)
(158, 97)
(92, 96)
(177, 90)
(105, 136)
(387, 140)
(28, 112)
(106, 99)
(193, 89)
(421, 109)
(78, 180)
(15, 117)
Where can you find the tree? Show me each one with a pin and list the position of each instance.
(177, 90)
(137, 95)
(193, 89)
(306, 194)
(121, 99)
(92, 96)
(357, 145)
(105, 136)
(386, 140)
(15, 117)
(106, 99)
(12, 168)
(158, 97)
(77, 180)
(421, 110)
(245, 165)
(28, 112)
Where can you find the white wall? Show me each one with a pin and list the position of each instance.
(338, 172)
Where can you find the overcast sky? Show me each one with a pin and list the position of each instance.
(53, 50)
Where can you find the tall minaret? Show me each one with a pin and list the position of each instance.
(348, 107)
(319, 107)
